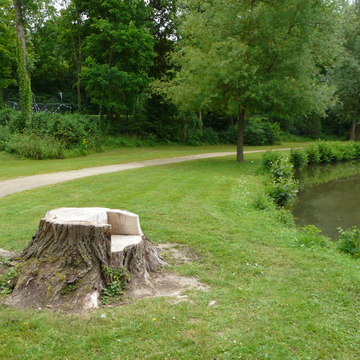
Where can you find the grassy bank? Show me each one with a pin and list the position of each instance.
(11, 166)
(274, 300)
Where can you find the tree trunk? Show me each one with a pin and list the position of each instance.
(352, 129)
(240, 138)
(2, 103)
(357, 132)
(23, 73)
(63, 265)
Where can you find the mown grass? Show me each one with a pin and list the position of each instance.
(273, 300)
(11, 166)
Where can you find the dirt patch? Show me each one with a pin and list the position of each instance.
(166, 283)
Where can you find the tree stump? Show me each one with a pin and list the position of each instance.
(63, 265)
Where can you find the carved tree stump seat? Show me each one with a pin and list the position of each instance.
(63, 265)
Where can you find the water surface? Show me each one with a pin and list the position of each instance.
(329, 197)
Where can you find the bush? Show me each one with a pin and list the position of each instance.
(326, 151)
(259, 131)
(269, 158)
(34, 146)
(284, 187)
(69, 129)
(6, 115)
(349, 241)
(4, 135)
(195, 137)
(262, 202)
(229, 136)
(312, 154)
(298, 158)
(311, 236)
(210, 137)
(283, 191)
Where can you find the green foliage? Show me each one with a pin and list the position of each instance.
(119, 53)
(313, 155)
(7, 283)
(262, 202)
(259, 131)
(116, 282)
(298, 158)
(310, 236)
(269, 158)
(4, 135)
(284, 187)
(24, 81)
(34, 146)
(209, 136)
(281, 169)
(197, 137)
(283, 191)
(326, 151)
(332, 151)
(68, 129)
(229, 136)
(250, 57)
(349, 241)
(194, 137)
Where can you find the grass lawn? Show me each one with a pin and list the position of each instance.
(274, 300)
(11, 167)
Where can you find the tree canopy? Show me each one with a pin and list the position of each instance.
(255, 56)
(208, 61)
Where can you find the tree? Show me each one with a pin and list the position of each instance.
(22, 64)
(72, 23)
(254, 56)
(119, 53)
(7, 47)
(346, 72)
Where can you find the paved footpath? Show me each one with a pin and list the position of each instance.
(13, 186)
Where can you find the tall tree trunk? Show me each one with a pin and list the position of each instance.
(186, 120)
(240, 137)
(200, 122)
(352, 129)
(357, 132)
(23, 72)
(77, 49)
(1, 99)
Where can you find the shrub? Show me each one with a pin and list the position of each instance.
(6, 115)
(298, 158)
(326, 151)
(259, 131)
(284, 187)
(69, 129)
(228, 136)
(34, 146)
(311, 236)
(262, 202)
(283, 191)
(4, 135)
(195, 137)
(349, 241)
(269, 158)
(312, 154)
(281, 169)
(210, 137)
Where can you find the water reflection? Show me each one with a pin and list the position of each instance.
(329, 197)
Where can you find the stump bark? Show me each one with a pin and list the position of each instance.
(63, 265)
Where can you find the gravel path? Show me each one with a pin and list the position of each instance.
(16, 185)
